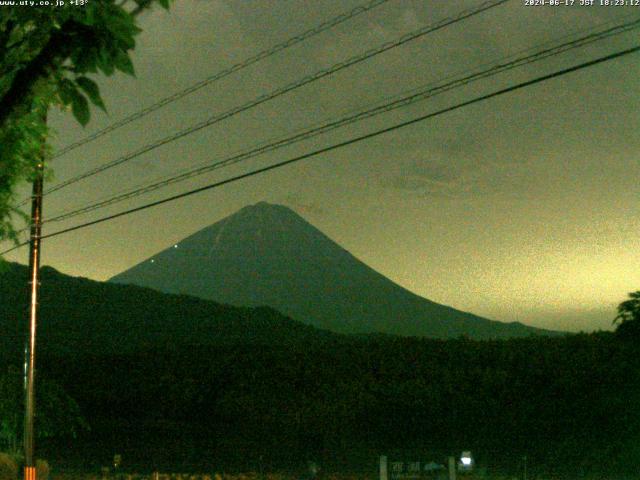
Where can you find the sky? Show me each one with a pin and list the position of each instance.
(522, 208)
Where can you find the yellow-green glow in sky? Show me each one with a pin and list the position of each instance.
(524, 207)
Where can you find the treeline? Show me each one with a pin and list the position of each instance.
(176, 383)
(568, 404)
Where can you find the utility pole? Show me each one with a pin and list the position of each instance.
(452, 468)
(30, 353)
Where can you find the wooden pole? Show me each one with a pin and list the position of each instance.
(30, 353)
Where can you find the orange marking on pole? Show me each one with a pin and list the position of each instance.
(29, 473)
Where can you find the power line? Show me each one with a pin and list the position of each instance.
(218, 76)
(225, 73)
(351, 141)
(146, 187)
(283, 90)
(416, 95)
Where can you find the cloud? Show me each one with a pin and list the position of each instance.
(430, 179)
(455, 178)
(297, 203)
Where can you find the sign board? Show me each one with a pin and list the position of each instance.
(411, 469)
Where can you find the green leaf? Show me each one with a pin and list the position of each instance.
(80, 108)
(123, 29)
(105, 62)
(123, 63)
(66, 91)
(92, 90)
(164, 4)
(85, 59)
(90, 14)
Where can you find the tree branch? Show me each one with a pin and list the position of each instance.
(56, 50)
(5, 34)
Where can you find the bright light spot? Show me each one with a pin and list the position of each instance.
(175, 246)
(152, 261)
(466, 460)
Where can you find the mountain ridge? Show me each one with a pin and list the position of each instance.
(80, 315)
(266, 254)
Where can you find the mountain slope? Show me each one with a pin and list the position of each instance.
(268, 255)
(80, 315)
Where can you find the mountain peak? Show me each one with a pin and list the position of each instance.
(264, 205)
(266, 208)
(264, 212)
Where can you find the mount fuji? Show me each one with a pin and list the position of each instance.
(268, 255)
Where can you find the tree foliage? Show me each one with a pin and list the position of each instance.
(343, 402)
(629, 310)
(193, 380)
(57, 414)
(629, 316)
(47, 58)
